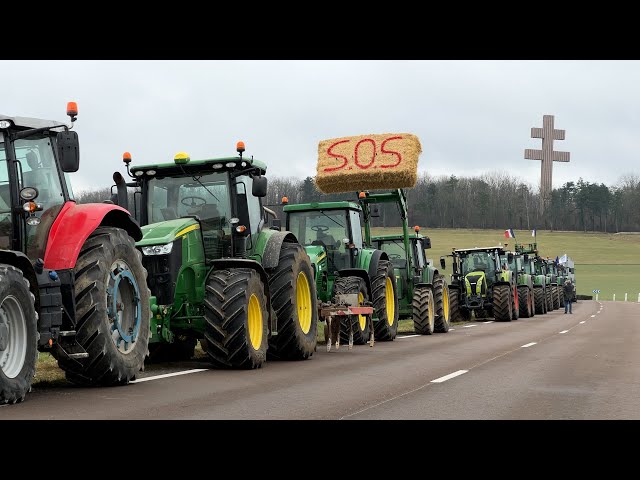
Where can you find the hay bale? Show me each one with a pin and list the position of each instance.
(368, 162)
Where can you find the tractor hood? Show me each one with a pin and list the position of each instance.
(165, 232)
(476, 283)
(316, 253)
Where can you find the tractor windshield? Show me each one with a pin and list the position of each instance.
(206, 196)
(326, 228)
(478, 261)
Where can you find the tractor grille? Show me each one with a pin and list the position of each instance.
(477, 283)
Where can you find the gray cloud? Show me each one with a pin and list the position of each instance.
(472, 117)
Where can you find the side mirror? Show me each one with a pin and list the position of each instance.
(375, 211)
(426, 242)
(68, 151)
(442, 263)
(259, 188)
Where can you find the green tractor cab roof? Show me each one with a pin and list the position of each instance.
(27, 122)
(500, 248)
(301, 207)
(192, 166)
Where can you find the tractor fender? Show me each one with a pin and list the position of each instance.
(356, 272)
(73, 226)
(229, 263)
(375, 259)
(271, 253)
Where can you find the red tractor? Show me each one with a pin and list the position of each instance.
(71, 280)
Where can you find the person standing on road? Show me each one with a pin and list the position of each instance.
(568, 295)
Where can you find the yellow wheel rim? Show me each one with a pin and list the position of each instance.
(391, 307)
(303, 297)
(362, 319)
(254, 319)
(445, 304)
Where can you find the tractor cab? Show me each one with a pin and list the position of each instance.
(35, 158)
(328, 228)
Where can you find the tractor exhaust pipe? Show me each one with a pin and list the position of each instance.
(121, 185)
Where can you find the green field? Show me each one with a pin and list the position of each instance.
(608, 262)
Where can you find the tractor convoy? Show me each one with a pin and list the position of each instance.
(186, 252)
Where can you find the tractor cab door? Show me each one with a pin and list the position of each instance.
(6, 224)
(249, 212)
(356, 243)
(37, 167)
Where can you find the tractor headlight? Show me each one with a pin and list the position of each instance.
(158, 249)
(5, 123)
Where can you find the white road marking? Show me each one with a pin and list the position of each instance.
(592, 316)
(564, 331)
(528, 345)
(167, 375)
(409, 336)
(451, 329)
(490, 321)
(469, 326)
(582, 321)
(448, 377)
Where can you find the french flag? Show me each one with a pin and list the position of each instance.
(509, 233)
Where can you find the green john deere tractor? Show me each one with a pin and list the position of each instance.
(423, 293)
(479, 284)
(516, 263)
(218, 272)
(331, 233)
(537, 268)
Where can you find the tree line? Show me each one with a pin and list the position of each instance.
(493, 200)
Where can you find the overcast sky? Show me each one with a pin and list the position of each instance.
(472, 117)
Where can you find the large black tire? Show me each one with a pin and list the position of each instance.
(423, 311)
(236, 319)
(385, 302)
(502, 303)
(556, 297)
(549, 298)
(524, 301)
(357, 286)
(539, 301)
(18, 335)
(293, 298)
(183, 348)
(456, 313)
(109, 257)
(443, 309)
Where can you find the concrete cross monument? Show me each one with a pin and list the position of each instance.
(548, 134)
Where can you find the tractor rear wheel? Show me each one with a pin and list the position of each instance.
(549, 299)
(502, 303)
(235, 313)
(18, 335)
(442, 308)
(112, 310)
(539, 301)
(385, 301)
(556, 297)
(524, 299)
(515, 305)
(359, 323)
(423, 311)
(293, 298)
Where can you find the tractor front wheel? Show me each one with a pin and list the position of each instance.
(112, 311)
(423, 311)
(524, 301)
(359, 323)
(235, 313)
(502, 303)
(442, 308)
(18, 335)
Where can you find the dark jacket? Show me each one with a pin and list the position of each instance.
(568, 291)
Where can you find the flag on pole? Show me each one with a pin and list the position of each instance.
(533, 232)
(509, 233)
(563, 258)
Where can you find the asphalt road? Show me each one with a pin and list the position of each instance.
(554, 366)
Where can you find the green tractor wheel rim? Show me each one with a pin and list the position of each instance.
(303, 297)
(254, 319)
(362, 319)
(445, 304)
(389, 301)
